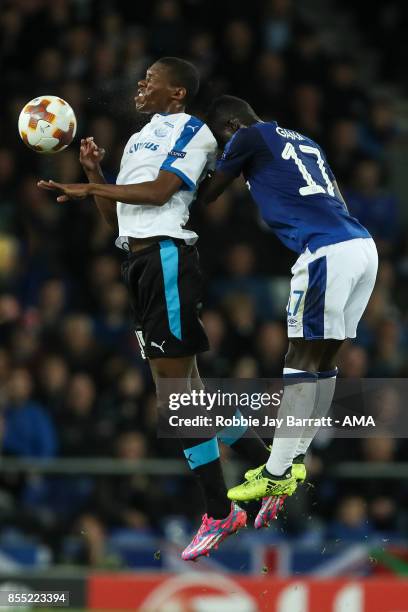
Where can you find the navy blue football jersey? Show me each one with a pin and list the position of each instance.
(292, 184)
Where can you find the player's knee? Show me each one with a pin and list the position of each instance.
(326, 365)
(329, 360)
(301, 357)
(161, 372)
(175, 368)
(169, 385)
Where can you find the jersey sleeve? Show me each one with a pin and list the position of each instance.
(193, 152)
(237, 152)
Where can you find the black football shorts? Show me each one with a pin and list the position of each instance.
(165, 288)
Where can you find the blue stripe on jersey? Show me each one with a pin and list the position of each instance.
(169, 261)
(313, 314)
(190, 129)
(188, 184)
(203, 453)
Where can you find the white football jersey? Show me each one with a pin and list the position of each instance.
(178, 143)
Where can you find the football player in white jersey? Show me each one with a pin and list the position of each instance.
(161, 168)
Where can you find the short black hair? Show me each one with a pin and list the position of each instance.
(182, 74)
(225, 108)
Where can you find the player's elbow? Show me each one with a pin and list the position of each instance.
(164, 188)
(159, 195)
(161, 198)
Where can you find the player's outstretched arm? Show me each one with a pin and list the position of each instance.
(213, 186)
(155, 193)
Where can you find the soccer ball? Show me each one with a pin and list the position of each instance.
(47, 124)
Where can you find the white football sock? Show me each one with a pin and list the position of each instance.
(326, 384)
(298, 400)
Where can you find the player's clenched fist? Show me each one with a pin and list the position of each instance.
(90, 155)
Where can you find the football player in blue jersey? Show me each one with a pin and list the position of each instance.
(297, 195)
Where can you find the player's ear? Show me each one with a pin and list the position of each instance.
(179, 93)
(233, 124)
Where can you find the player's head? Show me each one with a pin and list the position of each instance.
(169, 85)
(227, 114)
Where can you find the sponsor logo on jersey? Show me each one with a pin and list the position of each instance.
(169, 124)
(289, 134)
(175, 153)
(153, 146)
(292, 322)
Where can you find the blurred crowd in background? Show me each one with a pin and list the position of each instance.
(72, 383)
